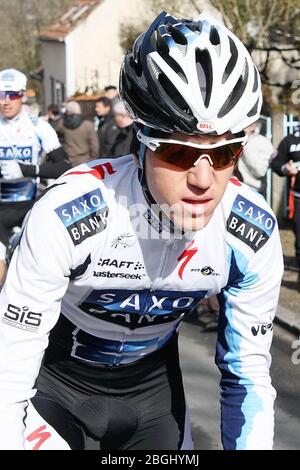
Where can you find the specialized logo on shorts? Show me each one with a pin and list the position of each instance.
(85, 216)
(250, 223)
(22, 318)
(14, 152)
(40, 435)
(140, 308)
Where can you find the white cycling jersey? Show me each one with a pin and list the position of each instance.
(94, 250)
(23, 138)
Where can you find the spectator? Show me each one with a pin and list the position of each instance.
(24, 139)
(79, 137)
(125, 126)
(112, 93)
(287, 163)
(107, 128)
(255, 159)
(53, 116)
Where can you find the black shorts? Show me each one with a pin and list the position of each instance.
(11, 215)
(128, 407)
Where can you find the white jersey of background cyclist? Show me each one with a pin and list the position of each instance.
(82, 244)
(23, 139)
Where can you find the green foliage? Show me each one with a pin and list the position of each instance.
(264, 23)
(270, 29)
(20, 47)
(129, 31)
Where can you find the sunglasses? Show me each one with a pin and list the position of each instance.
(184, 155)
(12, 95)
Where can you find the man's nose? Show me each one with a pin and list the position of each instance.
(200, 175)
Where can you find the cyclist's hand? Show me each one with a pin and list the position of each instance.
(290, 169)
(10, 170)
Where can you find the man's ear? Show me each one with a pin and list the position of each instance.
(136, 160)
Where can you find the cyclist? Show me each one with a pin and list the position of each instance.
(287, 163)
(117, 252)
(23, 138)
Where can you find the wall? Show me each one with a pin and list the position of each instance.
(94, 52)
(54, 61)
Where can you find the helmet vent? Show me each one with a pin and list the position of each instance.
(232, 61)
(205, 76)
(214, 37)
(255, 85)
(136, 66)
(155, 69)
(177, 36)
(235, 95)
(172, 94)
(253, 111)
(195, 27)
(182, 49)
(140, 106)
(246, 71)
(171, 63)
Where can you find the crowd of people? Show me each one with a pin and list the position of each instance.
(92, 332)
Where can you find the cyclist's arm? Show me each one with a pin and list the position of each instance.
(29, 308)
(282, 157)
(248, 306)
(48, 137)
(55, 164)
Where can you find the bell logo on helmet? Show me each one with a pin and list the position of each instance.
(208, 126)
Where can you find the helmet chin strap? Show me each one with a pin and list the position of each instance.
(154, 206)
(142, 160)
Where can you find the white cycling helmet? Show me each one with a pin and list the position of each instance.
(192, 76)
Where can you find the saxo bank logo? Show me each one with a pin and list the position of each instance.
(85, 216)
(250, 223)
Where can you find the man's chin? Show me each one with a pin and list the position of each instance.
(8, 115)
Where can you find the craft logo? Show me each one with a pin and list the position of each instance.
(118, 264)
